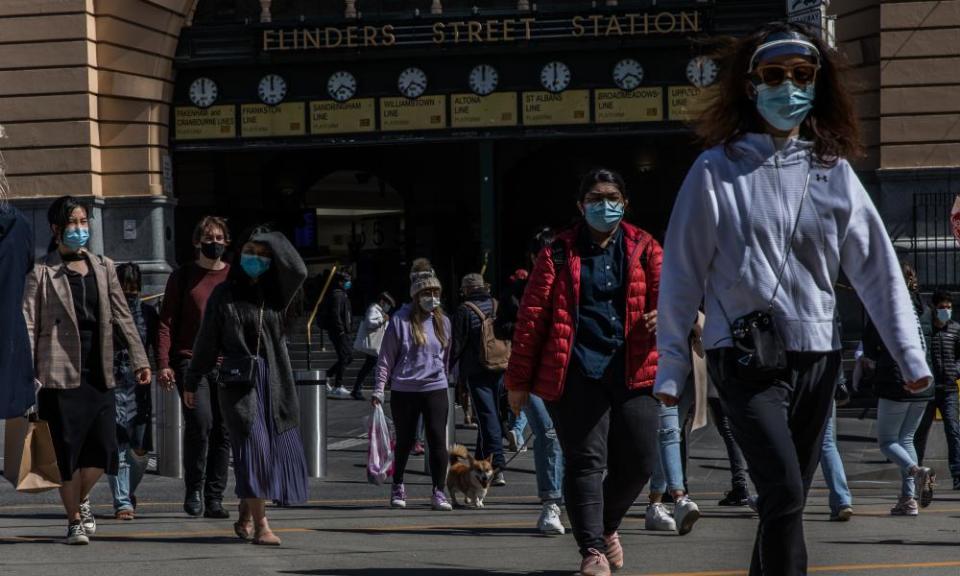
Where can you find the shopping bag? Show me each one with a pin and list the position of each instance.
(30, 462)
(380, 452)
(955, 218)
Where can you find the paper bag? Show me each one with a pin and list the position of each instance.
(30, 461)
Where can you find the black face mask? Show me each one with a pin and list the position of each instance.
(212, 250)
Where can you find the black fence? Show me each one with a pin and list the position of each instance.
(933, 247)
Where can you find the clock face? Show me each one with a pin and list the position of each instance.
(702, 71)
(203, 92)
(484, 79)
(412, 82)
(628, 74)
(342, 86)
(272, 89)
(555, 77)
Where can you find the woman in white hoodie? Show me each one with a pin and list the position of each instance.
(766, 218)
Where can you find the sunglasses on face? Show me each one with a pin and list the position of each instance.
(776, 74)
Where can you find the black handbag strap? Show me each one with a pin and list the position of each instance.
(259, 329)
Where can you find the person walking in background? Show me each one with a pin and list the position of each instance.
(765, 220)
(415, 361)
(945, 356)
(369, 338)
(134, 402)
(337, 320)
(547, 455)
(739, 494)
(245, 325)
(584, 342)
(900, 408)
(840, 499)
(206, 442)
(484, 383)
(74, 364)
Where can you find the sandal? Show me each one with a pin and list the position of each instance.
(125, 515)
(243, 530)
(266, 539)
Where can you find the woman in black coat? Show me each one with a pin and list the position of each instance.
(246, 318)
(16, 360)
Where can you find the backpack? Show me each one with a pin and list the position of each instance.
(494, 352)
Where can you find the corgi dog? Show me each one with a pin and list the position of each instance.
(469, 476)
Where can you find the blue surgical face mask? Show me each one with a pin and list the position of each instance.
(429, 303)
(76, 238)
(785, 106)
(603, 216)
(347, 285)
(254, 265)
(944, 314)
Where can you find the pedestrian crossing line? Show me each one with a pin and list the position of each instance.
(816, 569)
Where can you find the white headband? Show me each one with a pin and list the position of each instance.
(784, 42)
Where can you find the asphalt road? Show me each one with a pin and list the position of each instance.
(348, 529)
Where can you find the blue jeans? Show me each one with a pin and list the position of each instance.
(547, 455)
(485, 390)
(832, 466)
(518, 424)
(125, 483)
(668, 472)
(897, 422)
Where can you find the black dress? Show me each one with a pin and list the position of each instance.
(16, 360)
(83, 419)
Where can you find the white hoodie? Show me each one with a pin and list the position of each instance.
(726, 242)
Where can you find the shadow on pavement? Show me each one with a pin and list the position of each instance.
(441, 531)
(896, 543)
(445, 571)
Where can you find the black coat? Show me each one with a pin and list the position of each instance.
(944, 354)
(16, 359)
(337, 317)
(468, 335)
(229, 329)
(887, 380)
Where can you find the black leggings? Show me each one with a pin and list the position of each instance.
(407, 407)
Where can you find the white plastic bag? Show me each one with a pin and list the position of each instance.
(380, 451)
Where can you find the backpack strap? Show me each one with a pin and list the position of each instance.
(476, 310)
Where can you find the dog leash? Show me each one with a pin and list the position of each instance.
(519, 450)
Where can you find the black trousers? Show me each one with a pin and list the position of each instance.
(947, 400)
(485, 390)
(407, 408)
(608, 435)
(369, 363)
(206, 442)
(738, 469)
(779, 425)
(344, 349)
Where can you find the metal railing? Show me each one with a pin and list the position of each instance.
(933, 247)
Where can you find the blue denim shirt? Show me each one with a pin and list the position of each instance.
(602, 307)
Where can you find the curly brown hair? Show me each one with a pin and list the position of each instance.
(832, 125)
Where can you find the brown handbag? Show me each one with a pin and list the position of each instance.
(30, 458)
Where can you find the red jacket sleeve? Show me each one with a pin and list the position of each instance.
(171, 304)
(533, 324)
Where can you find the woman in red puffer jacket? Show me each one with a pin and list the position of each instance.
(584, 342)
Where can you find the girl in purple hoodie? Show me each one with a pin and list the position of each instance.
(414, 359)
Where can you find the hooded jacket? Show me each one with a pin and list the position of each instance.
(727, 239)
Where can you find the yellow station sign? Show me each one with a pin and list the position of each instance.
(687, 102)
(618, 106)
(472, 111)
(545, 108)
(423, 113)
(331, 117)
(261, 120)
(205, 123)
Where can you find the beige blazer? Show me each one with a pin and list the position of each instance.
(52, 321)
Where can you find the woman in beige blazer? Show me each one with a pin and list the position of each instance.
(73, 303)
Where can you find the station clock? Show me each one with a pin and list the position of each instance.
(628, 74)
(342, 86)
(203, 92)
(555, 77)
(272, 89)
(484, 79)
(702, 71)
(412, 82)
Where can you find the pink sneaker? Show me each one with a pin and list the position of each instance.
(594, 564)
(398, 496)
(440, 502)
(614, 551)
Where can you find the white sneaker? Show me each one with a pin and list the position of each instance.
(87, 518)
(76, 536)
(657, 518)
(339, 393)
(518, 445)
(685, 513)
(549, 522)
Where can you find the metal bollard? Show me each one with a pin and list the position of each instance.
(451, 428)
(170, 432)
(313, 420)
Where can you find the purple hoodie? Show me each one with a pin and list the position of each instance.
(406, 366)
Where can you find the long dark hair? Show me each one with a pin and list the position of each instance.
(130, 277)
(832, 124)
(58, 214)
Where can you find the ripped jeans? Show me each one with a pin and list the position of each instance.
(668, 473)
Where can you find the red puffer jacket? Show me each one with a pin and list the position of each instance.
(546, 324)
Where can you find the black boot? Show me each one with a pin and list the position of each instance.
(215, 509)
(193, 504)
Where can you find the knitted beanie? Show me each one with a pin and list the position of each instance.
(422, 277)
